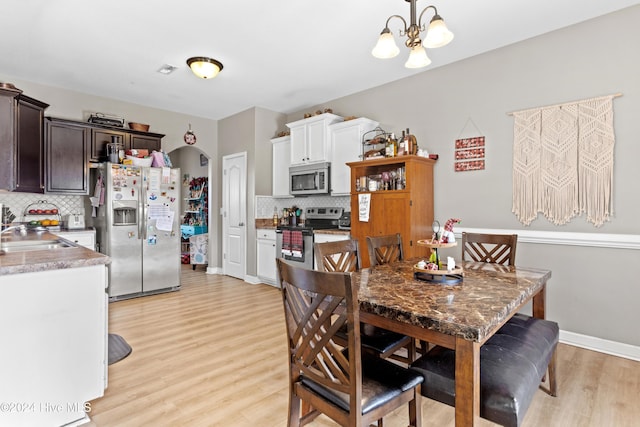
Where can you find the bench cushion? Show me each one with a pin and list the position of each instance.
(512, 364)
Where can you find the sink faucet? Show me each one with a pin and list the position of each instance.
(21, 227)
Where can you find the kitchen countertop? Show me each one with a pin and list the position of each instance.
(47, 259)
(333, 231)
(266, 223)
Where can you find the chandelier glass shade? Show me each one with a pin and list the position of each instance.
(203, 67)
(437, 35)
(417, 58)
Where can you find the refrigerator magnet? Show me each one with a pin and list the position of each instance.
(152, 240)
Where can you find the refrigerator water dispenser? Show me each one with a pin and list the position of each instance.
(125, 212)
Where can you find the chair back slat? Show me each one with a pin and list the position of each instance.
(340, 256)
(385, 249)
(317, 305)
(492, 248)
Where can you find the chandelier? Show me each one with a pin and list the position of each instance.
(203, 67)
(437, 35)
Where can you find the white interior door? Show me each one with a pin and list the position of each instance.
(234, 214)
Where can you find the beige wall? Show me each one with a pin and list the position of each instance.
(251, 131)
(78, 106)
(593, 291)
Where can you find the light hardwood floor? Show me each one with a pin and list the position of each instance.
(214, 354)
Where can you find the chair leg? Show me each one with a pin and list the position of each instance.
(415, 409)
(422, 347)
(553, 385)
(294, 411)
(411, 352)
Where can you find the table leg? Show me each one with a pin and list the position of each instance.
(539, 301)
(467, 382)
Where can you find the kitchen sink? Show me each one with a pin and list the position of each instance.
(33, 245)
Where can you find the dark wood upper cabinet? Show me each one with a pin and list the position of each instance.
(101, 137)
(67, 146)
(128, 139)
(53, 155)
(21, 142)
(149, 142)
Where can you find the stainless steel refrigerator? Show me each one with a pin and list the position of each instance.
(138, 225)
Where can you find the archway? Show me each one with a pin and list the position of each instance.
(193, 163)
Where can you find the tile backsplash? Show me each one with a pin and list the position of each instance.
(18, 202)
(265, 204)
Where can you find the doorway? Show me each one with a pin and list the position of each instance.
(193, 163)
(234, 214)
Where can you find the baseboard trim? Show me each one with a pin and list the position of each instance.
(600, 240)
(613, 348)
(254, 280)
(214, 270)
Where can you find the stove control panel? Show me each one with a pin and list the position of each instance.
(324, 213)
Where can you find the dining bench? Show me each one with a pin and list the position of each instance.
(512, 364)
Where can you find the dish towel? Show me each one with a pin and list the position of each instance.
(286, 242)
(297, 244)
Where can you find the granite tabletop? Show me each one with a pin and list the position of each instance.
(471, 309)
(46, 259)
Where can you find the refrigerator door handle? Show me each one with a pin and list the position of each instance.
(141, 216)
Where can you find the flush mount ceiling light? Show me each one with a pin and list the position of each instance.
(438, 35)
(203, 67)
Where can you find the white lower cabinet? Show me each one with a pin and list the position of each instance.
(86, 238)
(53, 325)
(266, 255)
(327, 237)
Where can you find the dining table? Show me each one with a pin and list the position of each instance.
(461, 316)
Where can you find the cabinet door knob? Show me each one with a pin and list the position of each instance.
(241, 224)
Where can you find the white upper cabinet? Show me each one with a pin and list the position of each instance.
(281, 149)
(346, 146)
(310, 139)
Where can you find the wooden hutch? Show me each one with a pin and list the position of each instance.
(403, 205)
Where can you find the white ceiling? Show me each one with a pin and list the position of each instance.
(283, 55)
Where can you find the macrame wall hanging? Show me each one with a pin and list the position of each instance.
(563, 161)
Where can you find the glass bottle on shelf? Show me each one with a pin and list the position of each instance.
(402, 150)
(408, 145)
(388, 149)
(394, 145)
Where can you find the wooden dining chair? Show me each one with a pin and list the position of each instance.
(340, 256)
(385, 249)
(346, 384)
(513, 362)
(344, 256)
(493, 248)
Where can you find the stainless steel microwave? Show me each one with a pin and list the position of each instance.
(309, 179)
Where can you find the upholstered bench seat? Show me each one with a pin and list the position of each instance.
(512, 364)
